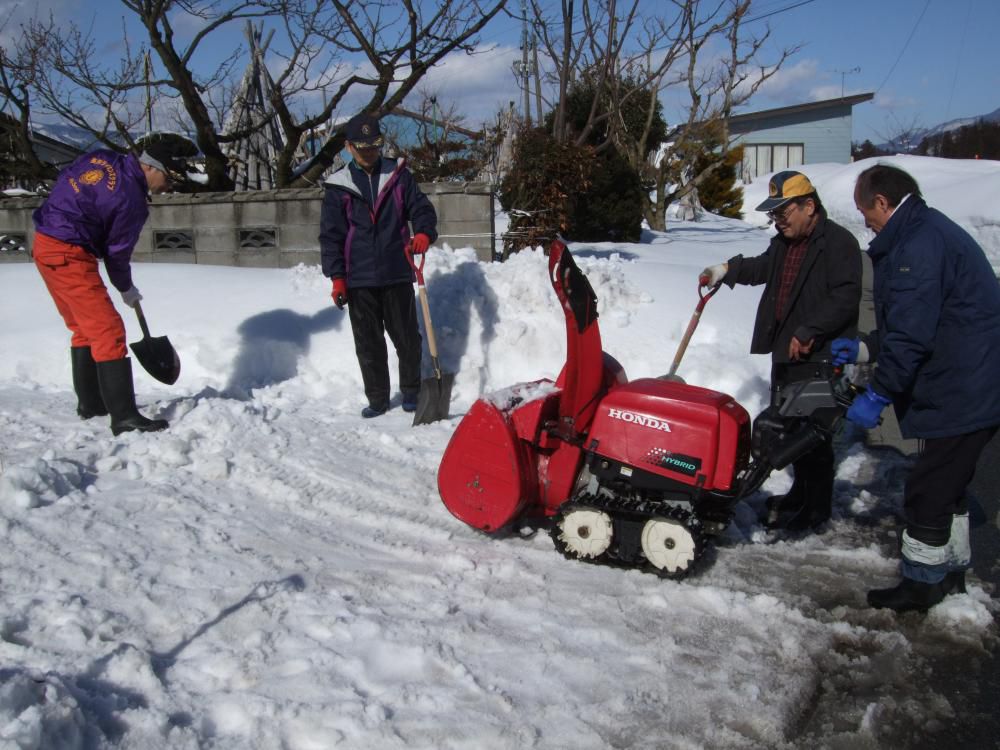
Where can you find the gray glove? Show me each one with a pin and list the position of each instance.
(713, 274)
(131, 296)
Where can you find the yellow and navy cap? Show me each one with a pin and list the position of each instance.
(783, 187)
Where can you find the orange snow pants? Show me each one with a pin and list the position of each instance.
(76, 286)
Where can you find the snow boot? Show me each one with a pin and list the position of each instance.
(809, 502)
(372, 411)
(815, 512)
(410, 399)
(89, 403)
(916, 596)
(118, 391)
(779, 506)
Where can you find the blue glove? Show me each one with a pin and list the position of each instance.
(867, 408)
(845, 351)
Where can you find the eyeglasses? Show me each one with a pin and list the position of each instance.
(779, 214)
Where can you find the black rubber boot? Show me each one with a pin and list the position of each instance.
(956, 582)
(791, 502)
(89, 403)
(916, 596)
(809, 502)
(119, 395)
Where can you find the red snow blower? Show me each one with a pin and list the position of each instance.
(638, 473)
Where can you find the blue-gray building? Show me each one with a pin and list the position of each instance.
(788, 137)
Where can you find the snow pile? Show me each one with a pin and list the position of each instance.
(965, 190)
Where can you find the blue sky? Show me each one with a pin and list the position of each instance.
(927, 61)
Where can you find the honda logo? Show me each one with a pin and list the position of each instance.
(639, 419)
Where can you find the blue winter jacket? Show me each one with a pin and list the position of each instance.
(937, 308)
(363, 225)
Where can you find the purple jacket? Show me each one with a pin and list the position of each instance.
(99, 203)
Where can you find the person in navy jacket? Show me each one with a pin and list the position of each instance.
(937, 348)
(365, 241)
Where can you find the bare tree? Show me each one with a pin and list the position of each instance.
(901, 136)
(629, 60)
(327, 56)
(592, 50)
(75, 84)
(399, 46)
(18, 67)
(713, 91)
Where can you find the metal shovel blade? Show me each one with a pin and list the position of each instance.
(433, 399)
(435, 392)
(156, 355)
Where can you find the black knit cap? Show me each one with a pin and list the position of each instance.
(163, 154)
(363, 131)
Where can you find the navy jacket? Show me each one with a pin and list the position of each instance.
(363, 225)
(937, 308)
(823, 303)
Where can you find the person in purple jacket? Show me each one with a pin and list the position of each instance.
(96, 210)
(366, 249)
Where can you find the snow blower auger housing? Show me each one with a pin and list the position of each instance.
(636, 473)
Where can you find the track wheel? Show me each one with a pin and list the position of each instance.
(584, 532)
(669, 546)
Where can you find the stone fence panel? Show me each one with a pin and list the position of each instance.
(260, 229)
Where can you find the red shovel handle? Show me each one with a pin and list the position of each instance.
(703, 298)
(418, 270)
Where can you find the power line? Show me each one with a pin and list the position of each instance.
(907, 44)
(958, 60)
(780, 10)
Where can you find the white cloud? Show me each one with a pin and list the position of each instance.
(479, 84)
(14, 13)
(793, 83)
(893, 101)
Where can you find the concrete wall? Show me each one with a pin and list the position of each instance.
(262, 229)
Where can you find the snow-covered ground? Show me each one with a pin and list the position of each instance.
(275, 572)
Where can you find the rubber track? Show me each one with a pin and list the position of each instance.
(634, 509)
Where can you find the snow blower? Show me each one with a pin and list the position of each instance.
(637, 473)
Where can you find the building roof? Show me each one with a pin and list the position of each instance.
(8, 121)
(796, 108)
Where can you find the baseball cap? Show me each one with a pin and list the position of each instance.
(783, 187)
(363, 131)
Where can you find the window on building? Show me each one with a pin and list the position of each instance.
(762, 158)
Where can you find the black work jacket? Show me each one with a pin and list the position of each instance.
(823, 302)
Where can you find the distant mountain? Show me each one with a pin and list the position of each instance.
(68, 134)
(945, 127)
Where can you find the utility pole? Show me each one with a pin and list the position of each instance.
(538, 79)
(436, 144)
(149, 98)
(524, 69)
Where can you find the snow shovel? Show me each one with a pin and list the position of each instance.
(156, 355)
(435, 392)
(703, 298)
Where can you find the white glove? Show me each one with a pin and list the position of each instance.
(713, 274)
(131, 296)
